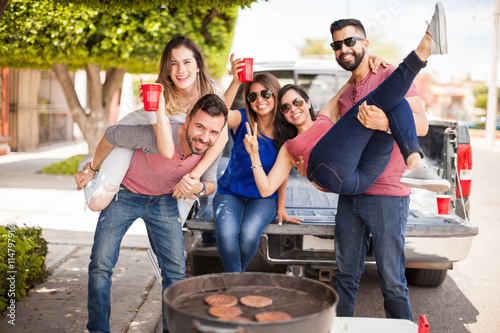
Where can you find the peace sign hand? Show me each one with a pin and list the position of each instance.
(250, 140)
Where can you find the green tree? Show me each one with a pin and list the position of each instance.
(3, 5)
(113, 36)
(321, 47)
(387, 51)
(315, 47)
(481, 94)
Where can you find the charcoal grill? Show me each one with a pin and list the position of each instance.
(311, 304)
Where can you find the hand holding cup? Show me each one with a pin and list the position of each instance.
(236, 67)
(246, 74)
(150, 95)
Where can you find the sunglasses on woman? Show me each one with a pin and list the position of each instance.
(298, 102)
(349, 42)
(266, 94)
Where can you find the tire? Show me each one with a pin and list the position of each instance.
(426, 277)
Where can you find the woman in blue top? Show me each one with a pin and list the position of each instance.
(241, 213)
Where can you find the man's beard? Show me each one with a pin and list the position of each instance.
(192, 145)
(351, 65)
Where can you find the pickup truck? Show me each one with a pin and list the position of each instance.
(433, 242)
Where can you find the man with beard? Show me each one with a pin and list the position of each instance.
(381, 211)
(146, 193)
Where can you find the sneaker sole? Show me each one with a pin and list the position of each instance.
(84, 161)
(443, 42)
(436, 186)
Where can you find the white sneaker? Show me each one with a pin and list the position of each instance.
(425, 178)
(84, 161)
(89, 188)
(437, 30)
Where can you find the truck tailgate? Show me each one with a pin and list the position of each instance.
(318, 210)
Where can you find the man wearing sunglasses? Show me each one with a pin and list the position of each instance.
(383, 209)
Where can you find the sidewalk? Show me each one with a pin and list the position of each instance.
(51, 202)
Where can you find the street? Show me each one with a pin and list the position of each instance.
(467, 301)
(469, 298)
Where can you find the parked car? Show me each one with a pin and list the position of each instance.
(433, 242)
(481, 123)
(320, 78)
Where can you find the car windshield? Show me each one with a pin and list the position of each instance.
(319, 87)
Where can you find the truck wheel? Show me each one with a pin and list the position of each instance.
(426, 277)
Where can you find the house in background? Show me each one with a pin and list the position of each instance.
(448, 101)
(4, 112)
(34, 112)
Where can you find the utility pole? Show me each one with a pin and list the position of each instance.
(492, 105)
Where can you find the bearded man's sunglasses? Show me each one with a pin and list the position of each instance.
(349, 42)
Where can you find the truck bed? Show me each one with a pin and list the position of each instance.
(318, 210)
(432, 242)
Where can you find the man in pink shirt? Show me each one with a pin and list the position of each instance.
(146, 193)
(381, 211)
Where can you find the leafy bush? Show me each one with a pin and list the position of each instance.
(22, 262)
(480, 90)
(481, 94)
(66, 167)
(481, 101)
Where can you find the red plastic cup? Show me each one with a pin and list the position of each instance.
(151, 96)
(246, 75)
(423, 325)
(443, 203)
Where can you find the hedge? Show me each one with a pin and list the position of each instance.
(22, 262)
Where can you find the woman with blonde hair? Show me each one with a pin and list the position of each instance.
(184, 78)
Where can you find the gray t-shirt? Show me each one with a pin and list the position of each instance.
(149, 172)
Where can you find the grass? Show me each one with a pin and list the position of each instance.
(66, 167)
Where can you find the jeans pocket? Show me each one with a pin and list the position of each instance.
(326, 177)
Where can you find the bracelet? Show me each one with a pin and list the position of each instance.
(256, 166)
(90, 167)
(388, 130)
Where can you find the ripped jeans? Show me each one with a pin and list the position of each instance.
(160, 216)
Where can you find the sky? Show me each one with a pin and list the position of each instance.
(275, 30)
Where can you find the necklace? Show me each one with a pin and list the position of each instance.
(189, 103)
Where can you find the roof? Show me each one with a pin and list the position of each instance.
(300, 65)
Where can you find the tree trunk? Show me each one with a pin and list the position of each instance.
(3, 6)
(94, 123)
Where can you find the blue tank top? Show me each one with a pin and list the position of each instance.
(238, 177)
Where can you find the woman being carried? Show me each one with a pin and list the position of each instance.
(185, 79)
(241, 213)
(345, 158)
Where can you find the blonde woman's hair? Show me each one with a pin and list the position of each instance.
(270, 82)
(206, 85)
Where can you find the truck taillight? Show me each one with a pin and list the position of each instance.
(464, 164)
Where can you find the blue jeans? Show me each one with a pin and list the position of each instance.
(385, 218)
(349, 158)
(239, 223)
(161, 216)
